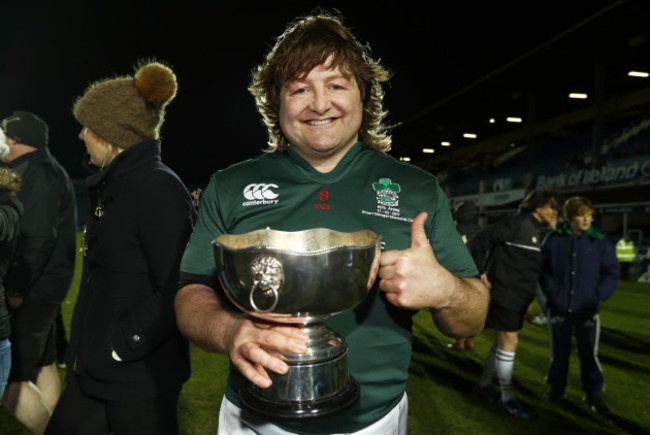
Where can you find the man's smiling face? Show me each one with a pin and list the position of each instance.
(320, 114)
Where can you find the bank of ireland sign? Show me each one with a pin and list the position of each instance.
(616, 173)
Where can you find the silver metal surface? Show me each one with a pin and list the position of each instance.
(302, 278)
(307, 381)
(297, 277)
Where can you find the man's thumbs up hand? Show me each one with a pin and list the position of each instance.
(409, 276)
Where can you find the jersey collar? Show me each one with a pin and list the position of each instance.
(335, 174)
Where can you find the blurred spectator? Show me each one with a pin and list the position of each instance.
(38, 281)
(542, 318)
(579, 269)
(10, 211)
(196, 197)
(626, 255)
(645, 267)
(466, 217)
(508, 257)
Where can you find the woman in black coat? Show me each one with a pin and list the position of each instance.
(127, 360)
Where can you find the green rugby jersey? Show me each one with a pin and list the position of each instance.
(367, 190)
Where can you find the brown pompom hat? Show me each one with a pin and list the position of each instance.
(127, 110)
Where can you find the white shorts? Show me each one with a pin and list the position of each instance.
(237, 421)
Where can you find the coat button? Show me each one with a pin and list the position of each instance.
(135, 338)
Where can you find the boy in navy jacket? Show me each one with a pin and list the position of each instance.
(579, 269)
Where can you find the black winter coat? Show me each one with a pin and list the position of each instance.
(141, 217)
(509, 251)
(47, 245)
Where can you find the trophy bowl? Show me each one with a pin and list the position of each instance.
(301, 278)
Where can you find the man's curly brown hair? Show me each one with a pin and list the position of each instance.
(306, 43)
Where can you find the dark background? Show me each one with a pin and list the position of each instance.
(452, 63)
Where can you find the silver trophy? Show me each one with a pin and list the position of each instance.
(300, 278)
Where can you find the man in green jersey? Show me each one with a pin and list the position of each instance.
(321, 98)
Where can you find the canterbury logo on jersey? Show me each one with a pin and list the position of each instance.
(260, 191)
(260, 194)
(529, 247)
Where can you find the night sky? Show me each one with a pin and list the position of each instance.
(51, 51)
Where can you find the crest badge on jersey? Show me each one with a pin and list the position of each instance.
(387, 197)
(387, 192)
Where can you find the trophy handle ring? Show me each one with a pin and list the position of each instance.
(268, 279)
(276, 298)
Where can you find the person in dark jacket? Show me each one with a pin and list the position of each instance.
(127, 361)
(579, 269)
(10, 212)
(466, 217)
(38, 281)
(508, 257)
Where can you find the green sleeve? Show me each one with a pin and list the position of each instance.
(448, 246)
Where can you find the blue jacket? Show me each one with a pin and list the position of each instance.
(578, 272)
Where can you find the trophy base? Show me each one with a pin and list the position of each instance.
(292, 410)
(316, 384)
